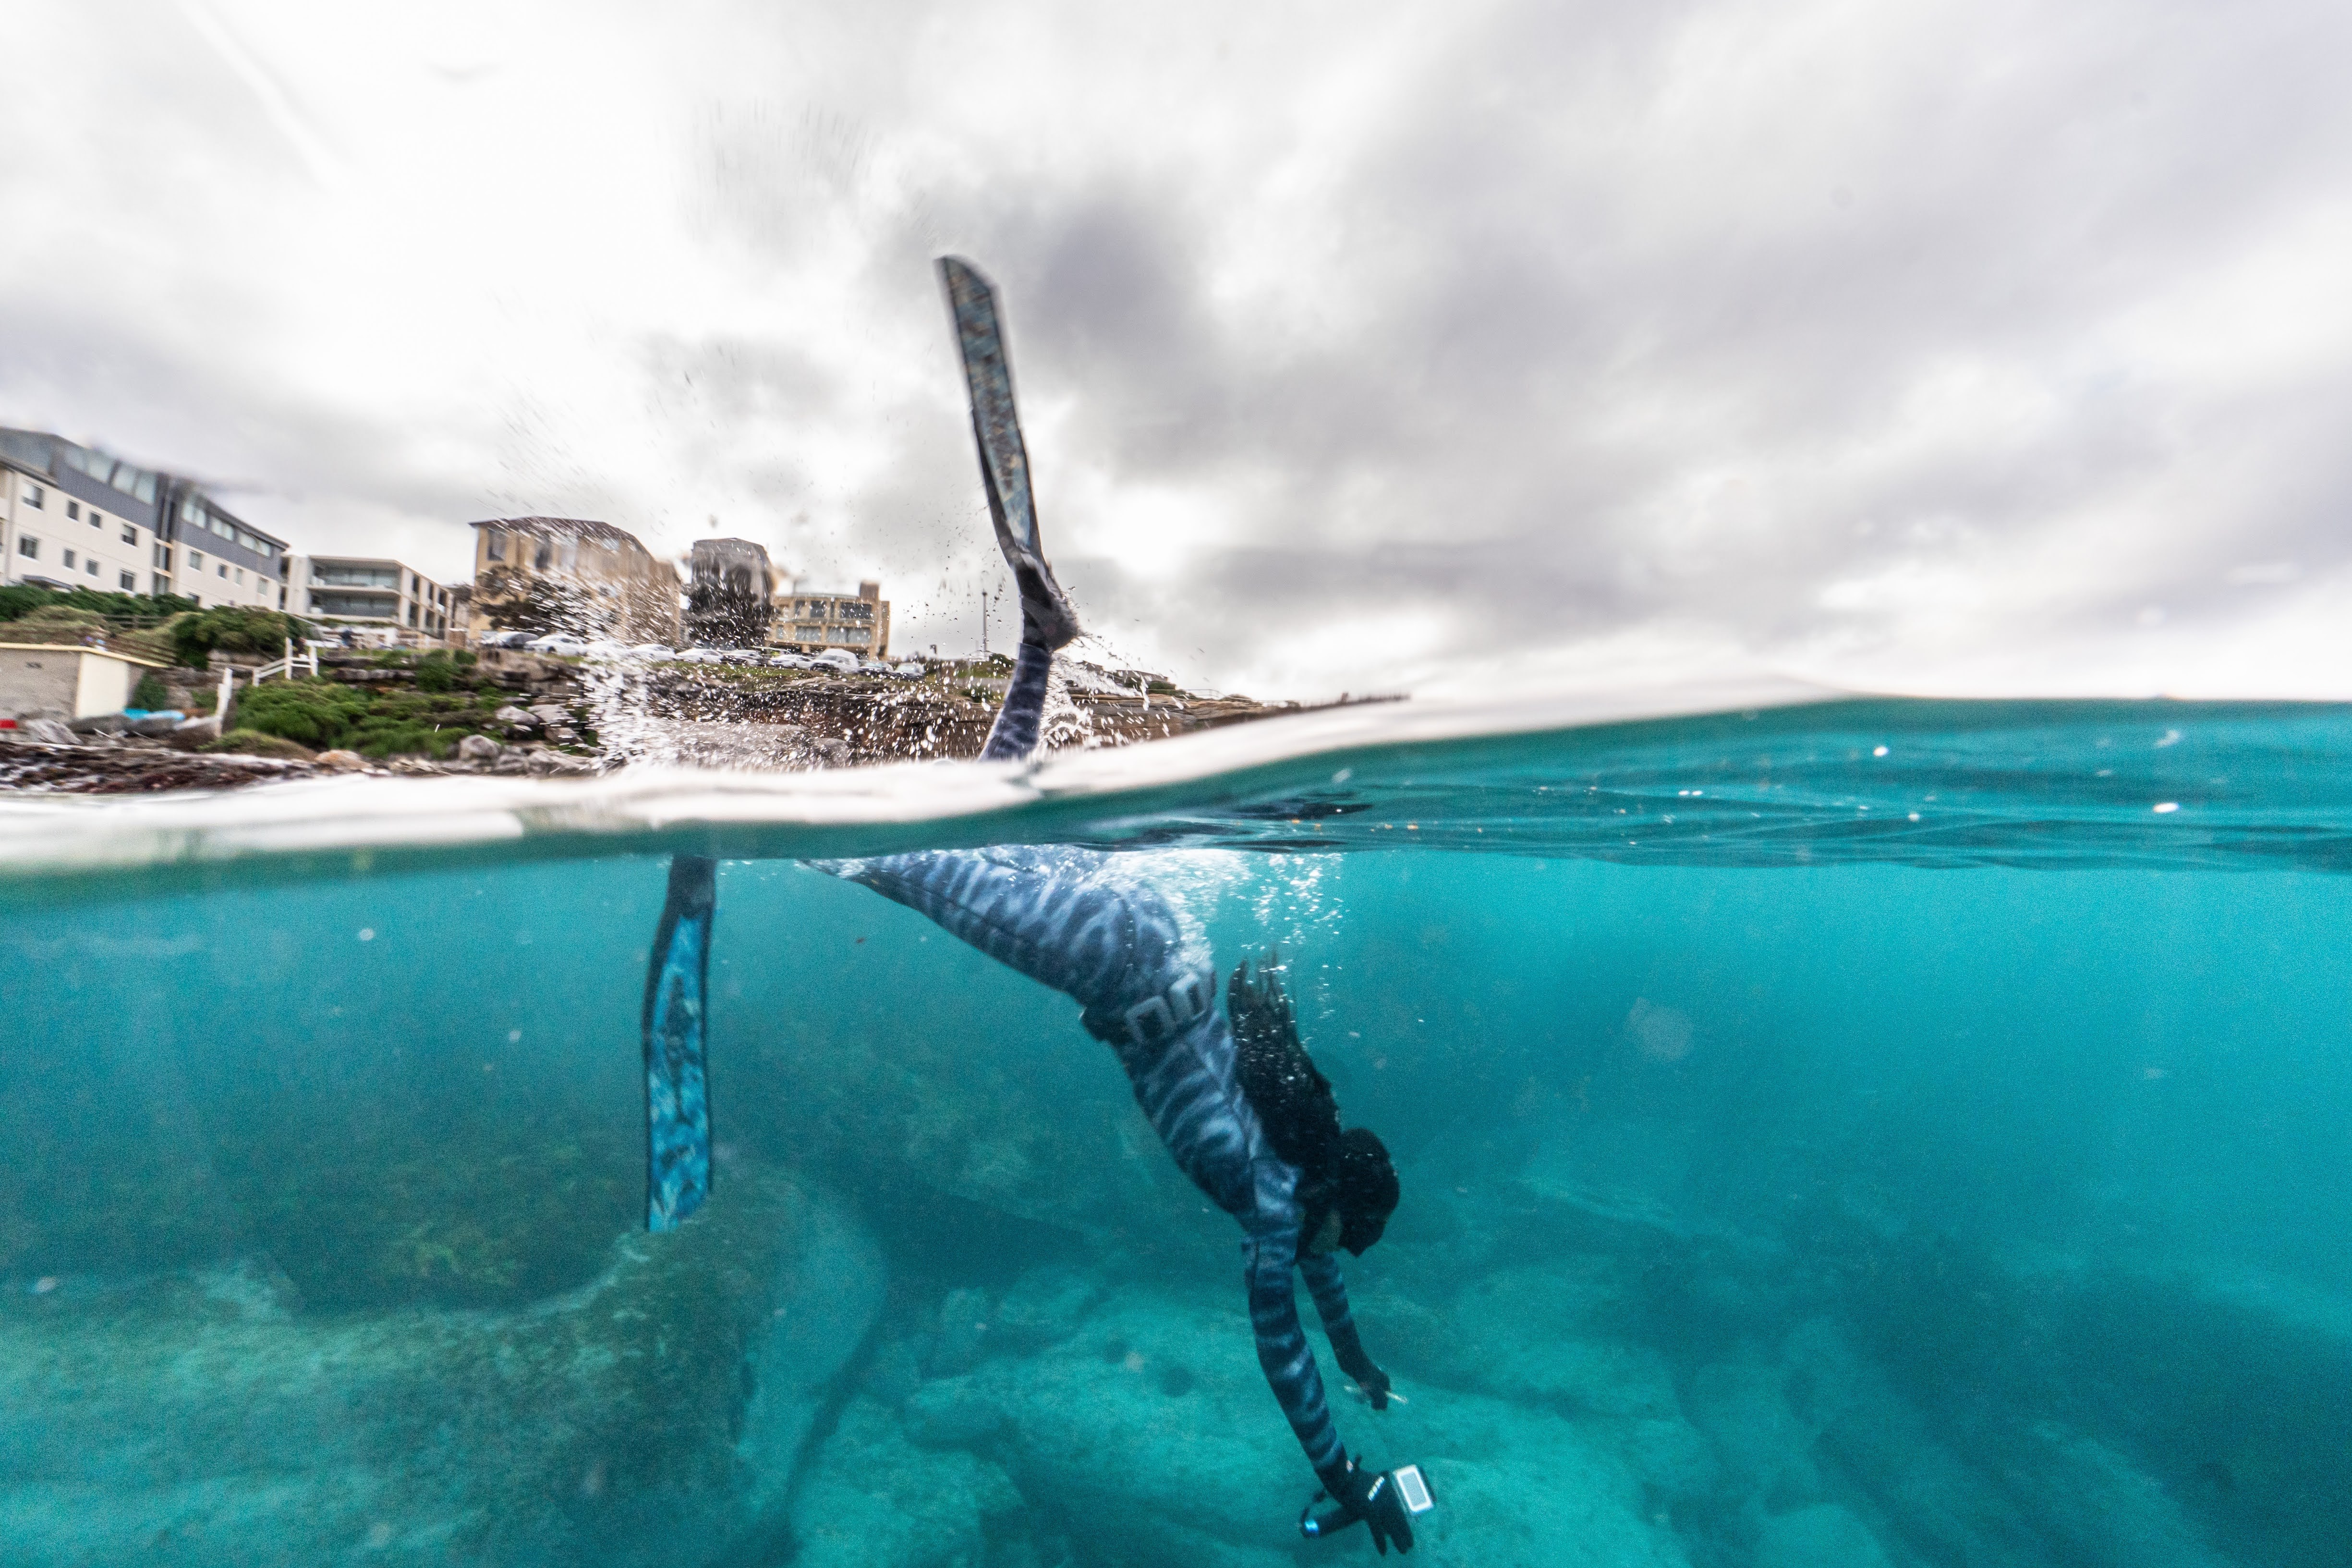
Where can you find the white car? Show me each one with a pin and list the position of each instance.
(653, 650)
(839, 658)
(790, 661)
(558, 643)
(911, 670)
(700, 656)
(607, 648)
(504, 639)
(739, 655)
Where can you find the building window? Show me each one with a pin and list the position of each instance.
(545, 556)
(97, 517)
(28, 546)
(240, 576)
(129, 581)
(163, 585)
(69, 559)
(224, 530)
(222, 567)
(163, 557)
(90, 565)
(33, 494)
(196, 559)
(73, 511)
(494, 543)
(129, 533)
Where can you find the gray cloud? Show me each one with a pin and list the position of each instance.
(1883, 345)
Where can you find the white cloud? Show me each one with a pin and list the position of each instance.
(1971, 346)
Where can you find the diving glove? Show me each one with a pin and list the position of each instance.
(1046, 618)
(1371, 1496)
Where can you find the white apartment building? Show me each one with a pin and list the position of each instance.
(61, 527)
(222, 559)
(368, 591)
(73, 517)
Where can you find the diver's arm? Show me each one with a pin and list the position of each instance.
(1330, 1292)
(1283, 1353)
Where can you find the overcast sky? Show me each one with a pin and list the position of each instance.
(1957, 346)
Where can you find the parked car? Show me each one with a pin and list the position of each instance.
(505, 639)
(792, 661)
(653, 650)
(739, 655)
(607, 648)
(558, 643)
(839, 658)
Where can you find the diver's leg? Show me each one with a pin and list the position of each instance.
(676, 1022)
(1014, 734)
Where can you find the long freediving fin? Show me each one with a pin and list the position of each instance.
(678, 1092)
(1047, 616)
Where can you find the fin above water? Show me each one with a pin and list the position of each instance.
(1047, 617)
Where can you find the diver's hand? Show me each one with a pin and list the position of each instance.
(1375, 1384)
(1367, 1495)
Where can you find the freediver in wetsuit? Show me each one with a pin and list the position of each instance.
(1078, 920)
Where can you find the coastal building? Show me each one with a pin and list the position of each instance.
(729, 588)
(370, 593)
(571, 574)
(64, 682)
(811, 621)
(74, 517)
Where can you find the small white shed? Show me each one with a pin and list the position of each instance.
(61, 680)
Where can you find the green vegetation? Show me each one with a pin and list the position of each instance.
(193, 636)
(427, 722)
(435, 673)
(23, 599)
(246, 742)
(150, 693)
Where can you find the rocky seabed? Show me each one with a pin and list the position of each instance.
(755, 1388)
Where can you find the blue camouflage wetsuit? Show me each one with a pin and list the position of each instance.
(1078, 921)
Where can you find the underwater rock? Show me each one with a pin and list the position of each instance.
(962, 1332)
(2105, 1511)
(1766, 1451)
(1825, 1536)
(873, 1499)
(1173, 1451)
(653, 1416)
(478, 749)
(1950, 1512)
(1541, 1333)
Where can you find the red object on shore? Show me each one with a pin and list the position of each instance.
(7, 723)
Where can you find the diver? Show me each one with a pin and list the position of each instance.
(1233, 1094)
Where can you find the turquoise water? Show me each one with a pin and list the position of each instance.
(1812, 1154)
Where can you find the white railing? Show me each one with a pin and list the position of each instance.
(284, 667)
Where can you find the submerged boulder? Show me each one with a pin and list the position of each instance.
(1149, 1436)
(653, 1416)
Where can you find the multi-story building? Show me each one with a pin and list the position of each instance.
(809, 621)
(214, 557)
(728, 594)
(73, 517)
(370, 593)
(568, 574)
